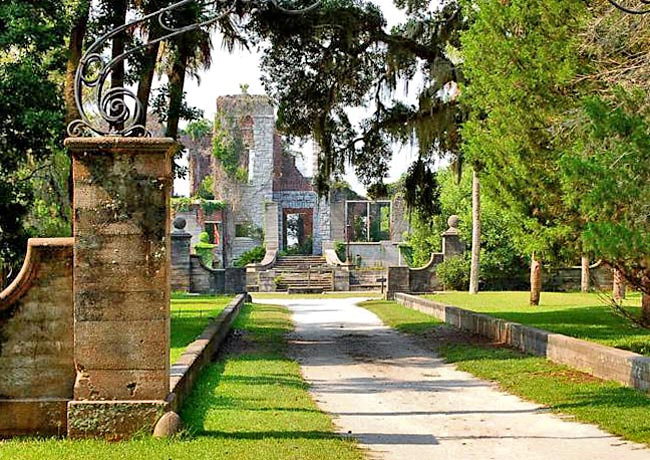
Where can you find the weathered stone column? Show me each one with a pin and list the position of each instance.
(181, 250)
(122, 189)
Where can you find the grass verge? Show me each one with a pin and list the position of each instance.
(584, 316)
(619, 410)
(190, 314)
(251, 404)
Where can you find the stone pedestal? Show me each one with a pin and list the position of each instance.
(452, 245)
(181, 250)
(398, 280)
(122, 188)
(341, 279)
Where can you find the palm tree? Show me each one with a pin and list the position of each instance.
(476, 233)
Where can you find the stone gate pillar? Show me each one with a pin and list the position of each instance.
(452, 245)
(122, 189)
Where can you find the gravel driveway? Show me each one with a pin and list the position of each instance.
(402, 402)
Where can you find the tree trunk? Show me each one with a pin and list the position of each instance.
(645, 300)
(584, 279)
(147, 79)
(476, 234)
(176, 88)
(619, 286)
(75, 51)
(119, 9)
(149, 62)
(535, 280)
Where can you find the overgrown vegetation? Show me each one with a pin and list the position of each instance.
(619, 410)
(503, 264)
(254, 256)
(228, 146)
(184, 204)
(299, 249)
(341, 250)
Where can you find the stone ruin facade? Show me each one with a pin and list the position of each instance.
(268, 196)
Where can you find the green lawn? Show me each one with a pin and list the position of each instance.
(585, 316)
(616, 409)
(251, 405)
(190, 315)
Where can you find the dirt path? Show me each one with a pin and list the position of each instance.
(402, 402)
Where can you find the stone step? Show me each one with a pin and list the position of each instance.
(301, 264)
(305, 281)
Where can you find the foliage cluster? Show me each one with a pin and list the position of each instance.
(517, 111)
(205, 250)
(561, 143)
(341, 250)
(319, 65)
(184, 204)
(300, 249)
(228, 146)
(254, 256)
(32, 61)
(503, 263)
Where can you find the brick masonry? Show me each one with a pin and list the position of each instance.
(604, 362)
(36, 342)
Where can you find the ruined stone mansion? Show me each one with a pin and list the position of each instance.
(270, 202)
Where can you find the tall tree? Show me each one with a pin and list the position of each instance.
(320, 65)
(521, 59)
(31, 108)
(607, 177)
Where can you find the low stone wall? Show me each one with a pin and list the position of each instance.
(568, 279)
(36, 342)
(604, 362)
(204, 280)
(367, 279)
(199, 353)
(415, 280)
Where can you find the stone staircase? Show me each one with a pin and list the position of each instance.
(303, 274)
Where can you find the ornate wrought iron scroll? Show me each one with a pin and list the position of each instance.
(643, 8)
(118, 110)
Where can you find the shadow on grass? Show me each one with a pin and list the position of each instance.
(619, 410)
(258, 335)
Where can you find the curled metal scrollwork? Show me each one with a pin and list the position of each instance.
(643, 8)
(117, 110)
